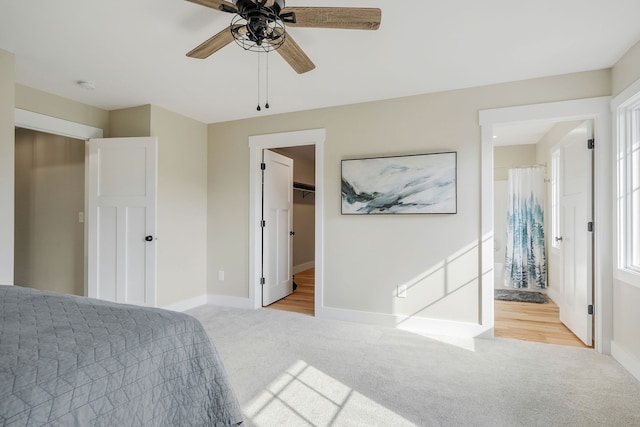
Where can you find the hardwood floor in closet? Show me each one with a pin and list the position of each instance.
(532, 322)
(302, 300)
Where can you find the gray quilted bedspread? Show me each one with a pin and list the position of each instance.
(73, 361)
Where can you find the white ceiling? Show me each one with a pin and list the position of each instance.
(521, 133)
(135, 51)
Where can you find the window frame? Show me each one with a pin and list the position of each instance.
(627, 192)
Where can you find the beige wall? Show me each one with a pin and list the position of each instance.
(626, 70)
(626, 297)
(550, 139)
(7, 148)
(182, 206)
(304, 227)
(367, 257)
(505, 157)
(130, 122)
(49, 238)
(626, 300)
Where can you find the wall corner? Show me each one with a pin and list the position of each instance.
(7, 167)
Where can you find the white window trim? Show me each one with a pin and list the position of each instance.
(620, 106)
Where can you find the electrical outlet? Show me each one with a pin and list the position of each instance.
(402, 291)
(221, 275)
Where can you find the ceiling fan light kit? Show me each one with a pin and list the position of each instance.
(257, 29)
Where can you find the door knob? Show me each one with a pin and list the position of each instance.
(292, 233)
(148, 238)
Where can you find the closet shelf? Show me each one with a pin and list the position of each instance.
(305, 188)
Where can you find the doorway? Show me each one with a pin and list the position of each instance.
(49, 212)
(596, 109)
(28, 120)
(257, 144)
(302, 299)
(526, 155)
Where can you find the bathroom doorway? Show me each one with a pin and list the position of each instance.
(525, 150)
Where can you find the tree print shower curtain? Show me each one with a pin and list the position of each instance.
(525, 258)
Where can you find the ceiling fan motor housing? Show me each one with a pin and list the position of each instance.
(263, 20)
(266, 7)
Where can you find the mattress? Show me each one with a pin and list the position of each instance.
(75, 361)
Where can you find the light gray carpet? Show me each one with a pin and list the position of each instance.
(294, 370)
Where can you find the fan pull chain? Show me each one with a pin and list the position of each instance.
(266, 105)
(258, 84)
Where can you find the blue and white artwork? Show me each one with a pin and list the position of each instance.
(424, 183)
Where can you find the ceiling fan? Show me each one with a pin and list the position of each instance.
(259, 25)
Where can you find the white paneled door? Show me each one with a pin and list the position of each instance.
(576, 239)
(121, 220)
(277, 199)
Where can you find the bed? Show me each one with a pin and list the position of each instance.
(74, 361)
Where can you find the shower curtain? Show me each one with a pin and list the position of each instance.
(525, 258)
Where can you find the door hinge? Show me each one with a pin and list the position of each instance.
(262, 281)
(263, 223)
(591, 143)
(263, 166)
(590, 309)
(590, 226)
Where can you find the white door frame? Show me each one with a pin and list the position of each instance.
(280, 140)
(598, 110)
(43, 123)
(40, 122)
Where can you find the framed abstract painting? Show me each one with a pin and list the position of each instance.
(415, 184)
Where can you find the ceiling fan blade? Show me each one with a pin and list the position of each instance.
(216, 4)
(214, 44)
(350, 18)
(294, 55)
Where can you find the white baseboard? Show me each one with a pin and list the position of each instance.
(229, 301)
(628, 361)
(554, 295)
(408, 323)
(221, 300)
(187, 304)
(302, 267)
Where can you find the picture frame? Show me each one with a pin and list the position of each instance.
(411, 184)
